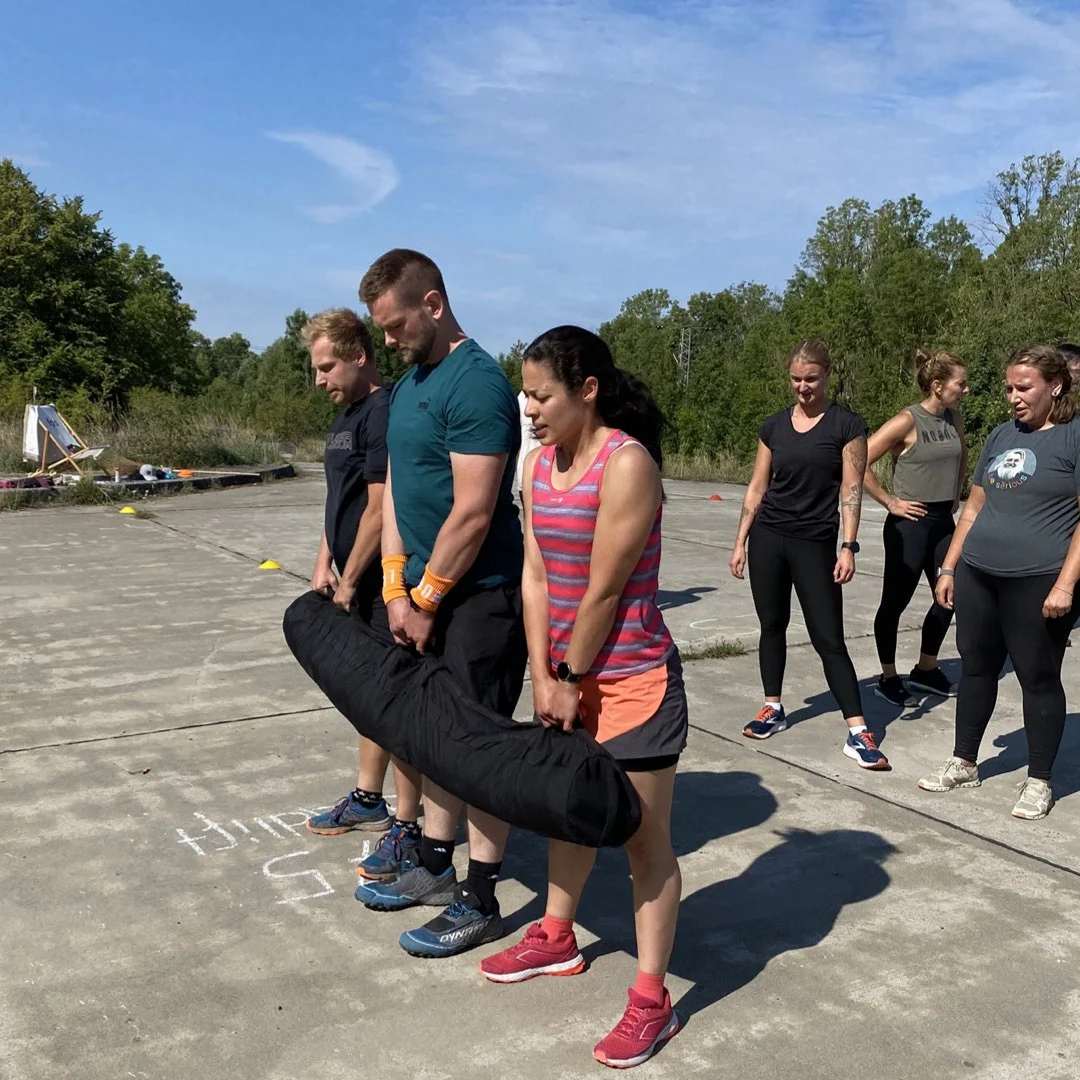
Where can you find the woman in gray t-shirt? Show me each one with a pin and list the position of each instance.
(1016, 560)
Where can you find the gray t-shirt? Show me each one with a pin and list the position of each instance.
(1031, 480)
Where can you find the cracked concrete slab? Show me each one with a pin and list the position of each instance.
(163, 910)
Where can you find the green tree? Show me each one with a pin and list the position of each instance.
(76, 311)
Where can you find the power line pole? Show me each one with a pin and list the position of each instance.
(682, 356)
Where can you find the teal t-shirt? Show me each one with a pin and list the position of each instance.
(462, 405)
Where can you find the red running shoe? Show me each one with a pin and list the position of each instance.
(534, 955)
(644, 1028)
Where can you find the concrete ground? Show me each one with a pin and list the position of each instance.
(164, 914)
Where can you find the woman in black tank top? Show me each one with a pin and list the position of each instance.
(929, 462)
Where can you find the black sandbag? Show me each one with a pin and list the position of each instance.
(560, 785)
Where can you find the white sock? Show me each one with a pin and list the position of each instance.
(774, 705)
(856, 730)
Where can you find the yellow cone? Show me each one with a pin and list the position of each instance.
(269, 564)
(129, 510)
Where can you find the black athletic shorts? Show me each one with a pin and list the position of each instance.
(480, 637)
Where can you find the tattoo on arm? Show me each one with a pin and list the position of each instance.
(855, 452)
(747, 513)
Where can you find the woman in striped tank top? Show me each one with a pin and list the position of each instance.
(599, 651)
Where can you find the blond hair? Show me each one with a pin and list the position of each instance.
(812, 351)
(932, 367)
(347, 333)
(1052, 365)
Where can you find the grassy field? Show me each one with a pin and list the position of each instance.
(722, 467)
(188, 442)
(194, 441)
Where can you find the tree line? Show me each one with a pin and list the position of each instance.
(101, 326)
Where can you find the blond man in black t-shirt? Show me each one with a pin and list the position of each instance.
(343, 362)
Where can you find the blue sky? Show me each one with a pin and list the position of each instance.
(553, 157)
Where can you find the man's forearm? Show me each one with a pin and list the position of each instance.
(392, 544)
(324, 560)
(366, 546)
(459, 542)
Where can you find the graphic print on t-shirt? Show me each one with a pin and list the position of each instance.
(340, 440)
(1011, 469)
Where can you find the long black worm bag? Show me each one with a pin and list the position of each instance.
(563, 786)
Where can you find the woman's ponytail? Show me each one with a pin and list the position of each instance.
(623, 400)
(626, 403)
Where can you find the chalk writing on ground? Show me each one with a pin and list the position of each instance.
(291, 874)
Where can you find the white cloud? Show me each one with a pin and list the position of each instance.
(370, 174)
(702, 122)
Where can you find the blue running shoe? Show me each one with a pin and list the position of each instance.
(767, 722)
(350, 814)
(413, 885)
(453, 931)
(863, 748)
(384, 863)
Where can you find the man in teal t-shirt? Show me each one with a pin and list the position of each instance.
(464, 404)
(452, 558)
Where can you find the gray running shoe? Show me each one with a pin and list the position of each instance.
(1035, 800)
(953, 774)
(413, 885)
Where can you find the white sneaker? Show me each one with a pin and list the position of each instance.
(953, 774)
(1035, 800)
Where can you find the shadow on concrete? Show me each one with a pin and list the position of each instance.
(1013, 757)
(879, 713)
(666, 599)
(708, 806)
(787, 899)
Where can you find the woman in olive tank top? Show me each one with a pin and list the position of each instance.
(929, 462)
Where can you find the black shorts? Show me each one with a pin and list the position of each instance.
(480, 636)
(370, 607)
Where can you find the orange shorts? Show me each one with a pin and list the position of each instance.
(640, 716)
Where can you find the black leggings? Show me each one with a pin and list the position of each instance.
(912, 548)
(776, 564)
(998, 617)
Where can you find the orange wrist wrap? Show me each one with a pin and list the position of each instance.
(393, 587)
(431, 591)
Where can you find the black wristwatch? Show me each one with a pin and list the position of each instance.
(852, 546)
(565, 673)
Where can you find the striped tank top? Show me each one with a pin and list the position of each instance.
(563, 523)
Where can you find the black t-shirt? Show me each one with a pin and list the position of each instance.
(807, 467)
(355, 457)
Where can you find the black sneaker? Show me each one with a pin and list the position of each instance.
(932, 682)
(892, 690)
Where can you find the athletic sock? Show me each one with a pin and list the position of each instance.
(777, 705)
(436, 856)
(479, 888)
(410, 828)
(557, 929)
(856, 730)
(367, 799)
(650, 987)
